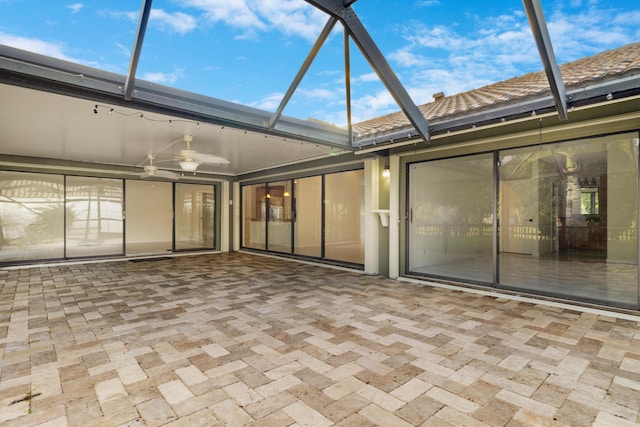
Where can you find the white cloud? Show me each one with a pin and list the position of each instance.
(47, 48)
(122, 49)
(235, 13)
(292, 17)
(318, 93)
(75, 8)
(162, 78)
(53, 49)
(436, 37)
(591, 31)
(627, 18)
(130, 15)
(365, 78)
(406, 58)
(373, 105)
(177, 21)
(289, 17)
(269, 102)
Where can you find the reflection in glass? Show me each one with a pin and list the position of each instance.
(254, 212)
(94, 219)
(195, 218)
(344, 227)
(308, 216)
(149, 218)
(278, 209)
(451, 218)
(590, 201)
(568, 219)
(31, 216)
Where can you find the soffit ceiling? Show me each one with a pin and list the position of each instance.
(45, 125)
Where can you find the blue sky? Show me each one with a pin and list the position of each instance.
(248, 51)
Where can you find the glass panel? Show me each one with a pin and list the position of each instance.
(149, 217)
(94, 216)
(568, 219)
(31, 216)
(279, 216)
(344, 227)
(451, 218)
(254, 211)
(308, 216)
(195, 218)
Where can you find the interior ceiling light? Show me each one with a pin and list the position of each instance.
(151, 170)
(188, 165)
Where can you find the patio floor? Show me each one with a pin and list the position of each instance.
(239, 339)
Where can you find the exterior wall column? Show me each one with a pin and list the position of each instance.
(394, 217)
(225, 226)
(371, 232)
(235, 229)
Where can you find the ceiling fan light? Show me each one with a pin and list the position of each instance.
(188, 165)
(151, 170)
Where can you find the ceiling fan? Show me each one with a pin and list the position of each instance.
(189, 159)
(152, 170)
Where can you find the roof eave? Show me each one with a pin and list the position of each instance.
(592, 93)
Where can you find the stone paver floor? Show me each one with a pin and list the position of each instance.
(239, 339)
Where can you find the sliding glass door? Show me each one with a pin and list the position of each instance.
(450, 218)
(254, 216)
(567, 219)
(194, 216)
(318, 216)
(279, 216)
(94, 216)
(149, 217)
(32, 216)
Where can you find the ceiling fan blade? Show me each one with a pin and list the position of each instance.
(210, 159)
(151, 171)
(168, 174)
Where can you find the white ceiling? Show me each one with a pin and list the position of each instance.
(42, 124)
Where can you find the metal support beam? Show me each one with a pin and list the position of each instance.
(347, 82)
(541, 35)
(324, 34)
(376, 59)
(145, 11)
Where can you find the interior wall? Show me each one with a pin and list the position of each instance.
(149, 216)
(308, 221)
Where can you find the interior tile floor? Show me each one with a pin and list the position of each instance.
(583, 279)
(239, 339)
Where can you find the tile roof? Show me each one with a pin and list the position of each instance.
(612, 64)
